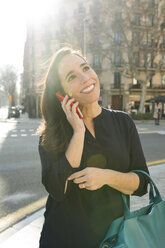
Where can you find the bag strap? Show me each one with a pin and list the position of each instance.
(153, 198)
(152, 186)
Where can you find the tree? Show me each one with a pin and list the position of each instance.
(133, 33)
(8, 80)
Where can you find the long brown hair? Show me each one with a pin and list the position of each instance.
(55, 130)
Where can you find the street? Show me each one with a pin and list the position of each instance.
(20, 168)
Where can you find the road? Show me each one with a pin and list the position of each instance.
(20, 169)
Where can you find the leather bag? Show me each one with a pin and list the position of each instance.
(142, 228)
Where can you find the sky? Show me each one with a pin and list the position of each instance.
(14, 14)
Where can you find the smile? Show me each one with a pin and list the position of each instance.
(89, 89)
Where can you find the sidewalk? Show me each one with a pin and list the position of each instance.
(26, 233)
(23, 118)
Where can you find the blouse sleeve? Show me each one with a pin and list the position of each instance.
(137, 159)
(55, 174)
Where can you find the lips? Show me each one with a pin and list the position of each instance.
(88, 88)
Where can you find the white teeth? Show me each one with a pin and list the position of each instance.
(88, 89)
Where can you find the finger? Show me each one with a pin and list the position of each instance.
(82, 179)
(64, 102)
(74, 107)
(84, 186)
(77, 175)
(68, 104)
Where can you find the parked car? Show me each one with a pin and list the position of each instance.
(21, 108)
(13, 112)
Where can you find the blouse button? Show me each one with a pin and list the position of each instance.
(88, 142)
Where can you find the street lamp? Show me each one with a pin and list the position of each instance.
(84, 36)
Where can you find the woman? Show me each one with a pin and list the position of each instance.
(86, 163)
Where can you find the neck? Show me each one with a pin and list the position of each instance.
(90, 111)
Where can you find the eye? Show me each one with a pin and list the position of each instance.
(86, 68)
(71, 78)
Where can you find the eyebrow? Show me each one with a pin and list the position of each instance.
(69, 73)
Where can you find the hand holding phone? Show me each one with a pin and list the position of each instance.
(60, 97)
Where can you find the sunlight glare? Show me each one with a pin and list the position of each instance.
(35, 10)
(14, 16)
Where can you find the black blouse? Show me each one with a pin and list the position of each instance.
(80, 218)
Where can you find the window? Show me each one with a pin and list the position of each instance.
(118, 2)
(150, 40)
(137, 59)
(96, 60)
(96, 19)
(149, 84)
(117, 58)
(117, 37)
(149, 60)
(151, 3)
(118, 16)
(163, 80)
(96, 40)
(81, 8)
(163, 60)
(137, 2)
(136, 38)
(137, 18)
(150, 20)
(117, 80)
(163, 39)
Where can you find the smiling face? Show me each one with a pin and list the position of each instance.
(79, 79)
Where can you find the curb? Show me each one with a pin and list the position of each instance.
(25, 234)
(21, 213)
(157, 162)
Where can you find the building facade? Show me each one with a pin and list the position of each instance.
(120, 45)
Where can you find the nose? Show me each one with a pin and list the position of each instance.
(84, 78)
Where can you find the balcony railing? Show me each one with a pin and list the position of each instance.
(162, 45)
(135, 86)
(117, 86)
(153, 87)
(162, 87)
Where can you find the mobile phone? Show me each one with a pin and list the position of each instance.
(60, 97)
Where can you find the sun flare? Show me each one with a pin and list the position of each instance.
(35, 10)
(14, 17)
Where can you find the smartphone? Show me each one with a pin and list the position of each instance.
(60, 97)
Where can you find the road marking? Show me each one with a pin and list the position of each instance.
(144, 130)
(151, 131)
(24, 134)
(13, 135)
(22, 130)
(14, 130)
(21, 213)
(147, 132)
(161, 132)
(17, 197)
(31, 130)
(156, 162)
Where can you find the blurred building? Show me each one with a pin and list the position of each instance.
(95, 27)
(3, 97)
